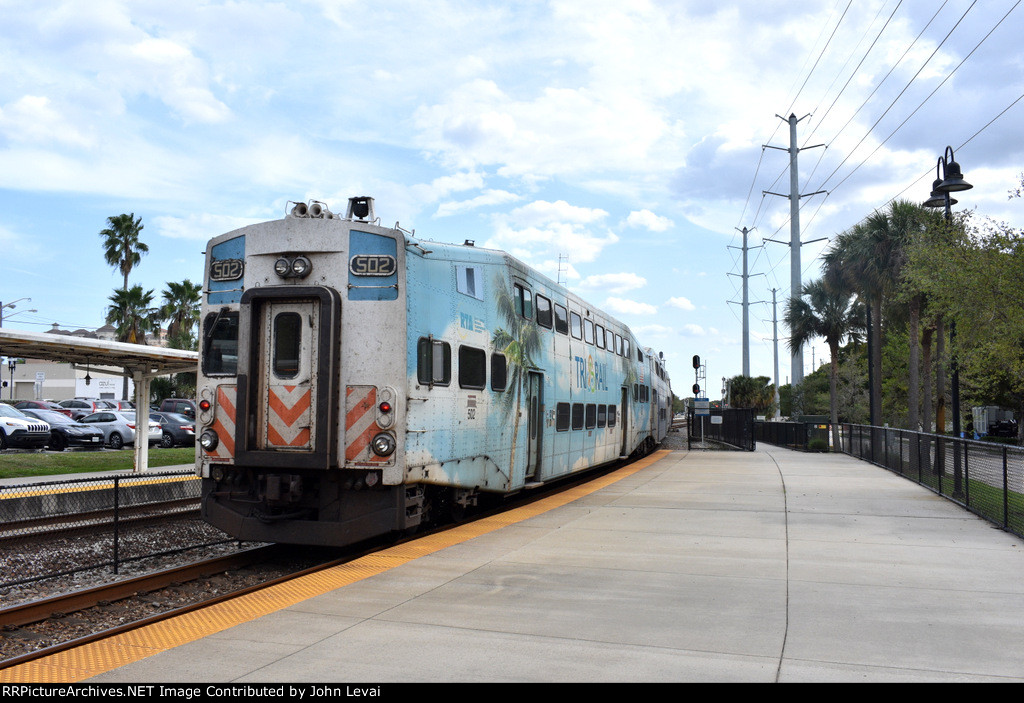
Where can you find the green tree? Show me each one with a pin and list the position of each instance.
(132, 314)
(122, 248)
(752, 392)
(181, 306)
(826, 309)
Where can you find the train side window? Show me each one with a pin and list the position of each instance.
(602, 415)
(499, 372)
(577, 416)
(591, 416)
(434, 362)
(636, 391)
(472, 367)
(524, 301)
(625, 348)
(561, 319)
(600, 337)
(543, 311)
(220, 344)
(618, 345)
(562, 417)
(576, 325)
(611, 416)
(287, 339)
(588, 331)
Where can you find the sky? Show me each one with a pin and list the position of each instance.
(619, 147)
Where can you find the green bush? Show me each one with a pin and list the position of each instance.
(817, 445)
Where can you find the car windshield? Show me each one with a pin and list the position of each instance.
(52, 417)
(8, 411)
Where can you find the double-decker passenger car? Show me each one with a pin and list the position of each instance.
(357, 380)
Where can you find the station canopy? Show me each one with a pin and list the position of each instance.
(141, 362)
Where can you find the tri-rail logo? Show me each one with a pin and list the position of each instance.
(591, 375)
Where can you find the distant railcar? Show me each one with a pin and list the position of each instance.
(356, 380)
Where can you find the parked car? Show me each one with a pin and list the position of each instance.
(177, 429)
(21, 431)
(41, 405)
(80, 407)
(120, 404)
(182, 406)
(118, 427)
(65, 432)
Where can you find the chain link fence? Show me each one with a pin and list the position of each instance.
(56, 528)
(985, 477)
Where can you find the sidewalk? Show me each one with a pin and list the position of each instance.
(760, 566)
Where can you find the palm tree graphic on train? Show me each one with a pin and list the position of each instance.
(519, 341)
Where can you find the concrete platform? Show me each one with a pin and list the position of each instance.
(771, 566)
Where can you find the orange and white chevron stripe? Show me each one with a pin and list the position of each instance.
(361, 424)
(224, 424)
(288, 416)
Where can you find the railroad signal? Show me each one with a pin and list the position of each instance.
(696, 361)
(696, 389)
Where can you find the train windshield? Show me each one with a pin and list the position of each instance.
(220, 346)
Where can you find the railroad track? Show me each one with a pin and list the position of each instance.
(48, 619)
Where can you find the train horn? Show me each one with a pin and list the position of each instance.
(318, 209)
(300, 210)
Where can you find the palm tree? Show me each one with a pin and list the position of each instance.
(520, 342)
(131, 314)
(181, 305)
(121, 246)
(825, 309)
(871, 257)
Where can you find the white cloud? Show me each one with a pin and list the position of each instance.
(487, 198)
(614, 282)
(200, 226)
(694, 330)
(629, 307)
(681, 303)
(648, 220)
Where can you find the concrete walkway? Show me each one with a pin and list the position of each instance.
(767, 566)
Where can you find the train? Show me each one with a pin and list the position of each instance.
(356, 380)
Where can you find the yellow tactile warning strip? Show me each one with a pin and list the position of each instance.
(131, 480)
(116, 651)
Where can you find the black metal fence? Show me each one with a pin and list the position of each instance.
(731, 427)
(60, 527)
(811, 436)
(985, 477)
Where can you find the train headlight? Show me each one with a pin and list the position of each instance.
(383, 444)
(301, 267)
(208, 440)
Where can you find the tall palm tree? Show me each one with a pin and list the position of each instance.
(121, 246)
(826, 308)
(181, 305)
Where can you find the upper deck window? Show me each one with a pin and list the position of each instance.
(561, 319)
(543, 311)
(524, 301)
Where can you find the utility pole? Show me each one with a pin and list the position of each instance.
(775, 343)
(795, 272)
(746, 304)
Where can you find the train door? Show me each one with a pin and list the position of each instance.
(624, 422)
(535, 415)
(287, 391)
(286, 360)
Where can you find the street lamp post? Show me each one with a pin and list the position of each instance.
(950, 181)
(12, 306)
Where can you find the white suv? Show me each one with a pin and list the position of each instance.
(21, 431)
